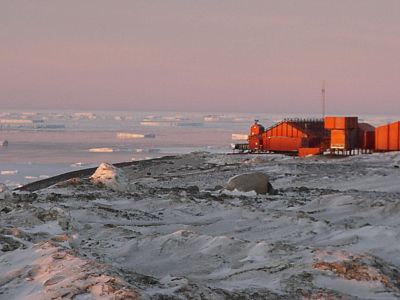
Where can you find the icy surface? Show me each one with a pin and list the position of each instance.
(331, 231)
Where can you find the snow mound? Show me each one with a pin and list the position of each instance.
(4, 192)
(111, 177)
(183, 252)
(247, 182)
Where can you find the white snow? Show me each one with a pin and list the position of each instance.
(330, 232)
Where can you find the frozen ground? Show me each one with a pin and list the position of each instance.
(331, 231)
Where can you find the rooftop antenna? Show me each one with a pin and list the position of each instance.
(323, 98)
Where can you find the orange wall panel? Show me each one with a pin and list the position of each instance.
(394, 136)
(340, 122)
(329, 122)
(309, 151)
(344, 139)
(387, 137)
(338, 139)
(381, 138)
(255, 143)
(282, 144)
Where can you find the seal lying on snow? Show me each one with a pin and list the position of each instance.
(247, 182)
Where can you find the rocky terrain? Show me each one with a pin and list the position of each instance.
(167, 229)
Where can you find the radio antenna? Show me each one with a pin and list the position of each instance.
(323, 99)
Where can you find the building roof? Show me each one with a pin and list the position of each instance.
(311, 127)
(366, 127)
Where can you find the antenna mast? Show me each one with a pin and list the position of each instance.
(323, 98)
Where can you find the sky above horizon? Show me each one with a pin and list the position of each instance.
(190, 55)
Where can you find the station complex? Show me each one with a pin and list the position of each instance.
(338, 135)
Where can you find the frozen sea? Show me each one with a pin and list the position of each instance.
(47, 143)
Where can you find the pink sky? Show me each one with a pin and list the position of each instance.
(208, 55)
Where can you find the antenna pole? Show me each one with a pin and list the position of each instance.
(323, 98)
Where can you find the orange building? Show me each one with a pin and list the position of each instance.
(343, 135)
(344, 132)
(255, 137)
(290, 135)
(387, 137)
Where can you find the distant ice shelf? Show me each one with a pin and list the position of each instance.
(239, 136)
(8, 172)
(127, 135)
(101, 150)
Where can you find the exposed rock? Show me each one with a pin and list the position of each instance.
(48, 215)
(247, 182)
(63, 276)
(9, 244)
(111, 177)
(76, 181)
(363, 268)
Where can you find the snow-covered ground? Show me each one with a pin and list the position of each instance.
(329, 231)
